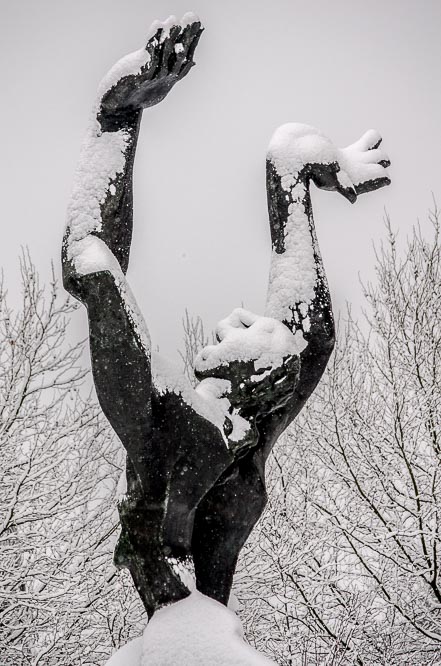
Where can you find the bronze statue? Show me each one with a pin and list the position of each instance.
(196, 457)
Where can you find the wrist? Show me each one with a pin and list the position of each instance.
(297, 150)
(127, 120)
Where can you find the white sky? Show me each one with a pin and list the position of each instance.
(201, 238)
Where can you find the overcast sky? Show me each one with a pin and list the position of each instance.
(201, 239)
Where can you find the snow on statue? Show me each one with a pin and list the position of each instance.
(195, 483)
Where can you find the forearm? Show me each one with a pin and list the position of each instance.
(99, 224)
(298, 293)
(101, 200)
(101, 204)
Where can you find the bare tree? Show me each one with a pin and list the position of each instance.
(194, 340)
(342, 569)
(347, 555)
(60, 598)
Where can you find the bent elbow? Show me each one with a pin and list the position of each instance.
(322, 339)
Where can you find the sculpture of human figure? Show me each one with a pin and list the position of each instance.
(196, 456)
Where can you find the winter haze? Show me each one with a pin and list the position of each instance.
(201, 238)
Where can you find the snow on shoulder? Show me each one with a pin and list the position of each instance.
(196, 631)
(208, 399)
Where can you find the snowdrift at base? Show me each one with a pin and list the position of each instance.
(197, 631)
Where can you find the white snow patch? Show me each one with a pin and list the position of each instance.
(196, 631)
(360, 162)
(131, 64)
(245, 336)
(189, 18)
(184, 571)
(102, 159)
(258, 378)
(208, 399)
(91, 255)
(154, 27)
(293, 273)
(240, 426)
(303, 309)
(293, 145)
(214, 389)
(169, 22)
(167, 25)
(345, 181)
(133, 311)
(128, 655)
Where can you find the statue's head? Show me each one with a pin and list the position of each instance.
(257, 355)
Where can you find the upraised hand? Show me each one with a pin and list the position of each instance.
(364, 163)
(298, 150)
(144, 78)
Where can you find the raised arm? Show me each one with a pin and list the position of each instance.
(272, 391)
(298, 293)
(99, 222)
(99, 227)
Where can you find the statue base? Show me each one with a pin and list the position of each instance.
(193, 632)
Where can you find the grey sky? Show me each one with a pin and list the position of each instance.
(201, 239)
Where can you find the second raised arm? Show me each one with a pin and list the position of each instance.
(99, 223)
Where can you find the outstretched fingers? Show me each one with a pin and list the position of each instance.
(168, 54)
(372, 184)
(171, 44)
(365, 163)
(369, 141)
(145, 77)
(185, 48)
(375, 163)
(375, 156)
(160, 44)
(373, 176)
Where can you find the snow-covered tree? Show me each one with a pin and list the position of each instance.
(61, 600)
(344, 566)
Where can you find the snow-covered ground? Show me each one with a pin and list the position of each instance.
(197, 631)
